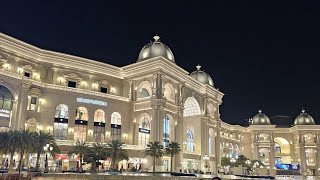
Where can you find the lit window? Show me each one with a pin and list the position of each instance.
(115, 125)
(60, 128)
(6, 98)
(144, 131)
(166, 131)
(191, 107)
(81, 123)
(99, 125)
(190, 144)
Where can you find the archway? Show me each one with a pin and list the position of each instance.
(191, 107)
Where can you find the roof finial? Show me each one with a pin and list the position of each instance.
(260, 111)
(156, 37)
(303, 110)
(198, 67)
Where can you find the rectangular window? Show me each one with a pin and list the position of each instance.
(99, 133)
(60, 130)
(72, 84)
(33, 103)
(103, 89)
(80, 132)
(27, 74)
(116, 133)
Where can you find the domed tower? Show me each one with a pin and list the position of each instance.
(260, 119)
(304, 119)
(201, 76)
(155, 49)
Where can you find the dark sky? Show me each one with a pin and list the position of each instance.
(260, 54)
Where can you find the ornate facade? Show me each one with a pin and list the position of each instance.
(151, 100)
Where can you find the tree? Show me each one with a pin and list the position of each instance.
(225, 161)
(11, 144)
(80, 148)
(25, 142)
(172, 150)
(116, 153)
(41, 139)
(94, 154)
(242, 160)
(155, 150)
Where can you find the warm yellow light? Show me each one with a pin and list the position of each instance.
(20, 70)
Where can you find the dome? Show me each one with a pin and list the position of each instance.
(304, 119)
(155, 49)
(201, 76)
(260, 119)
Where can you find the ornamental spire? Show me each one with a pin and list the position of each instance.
(198, 67)
(156, 38)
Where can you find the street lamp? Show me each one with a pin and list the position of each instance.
(232, 161)
(248, 162)
(206, 158)
(47, 148)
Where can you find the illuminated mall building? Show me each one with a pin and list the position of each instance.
(153, 99)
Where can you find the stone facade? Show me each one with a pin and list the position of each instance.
(152, 100)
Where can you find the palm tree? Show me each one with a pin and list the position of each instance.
(80, 148)
(115, 151)
(11, 145)
(41, 139)
(172, 150)
(25, 142)
(94, 154)
(4, 141)
(155, 150)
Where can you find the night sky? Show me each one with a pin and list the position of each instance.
(260, 55)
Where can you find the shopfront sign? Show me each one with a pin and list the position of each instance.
(4, 113)
(142, 130)
(91, 101)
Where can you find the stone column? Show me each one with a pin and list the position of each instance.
(90, 82)
(22, 104)
(179, 138)
(318, 159)
(272, 158)
(54, 77)
(15, 65)
(217, 147)
(130, 90)
(303, 162)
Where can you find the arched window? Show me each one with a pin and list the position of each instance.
(60, 127)
(277, 148)
(237, 151)
(169, 92)
(144, 131)
(190, 143)
(99, 125)
(231, 152)
(211, 142)
(143, 93)
(62, 111)
(115, 125)
(264, 155)
(166, 131)
(191, 107)
(6, 98)
(81, 124)
(211, 110)
(144, 89)
(311, 157)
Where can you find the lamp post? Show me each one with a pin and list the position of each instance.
(206, 158)
(232, 161)
(47, 148)
(248, 162)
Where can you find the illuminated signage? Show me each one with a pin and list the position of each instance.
(4, 113)
(144, 130)
(91, 101)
